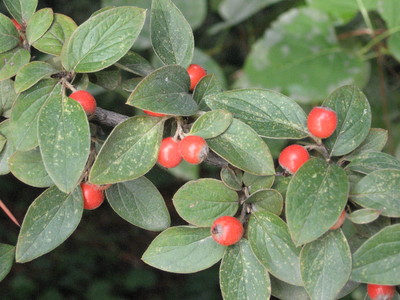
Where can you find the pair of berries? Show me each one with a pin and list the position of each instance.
(227, 230)
(192, 148)
(380, 292)
(85, 99)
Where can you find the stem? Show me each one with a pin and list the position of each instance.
(377, 39)
(68, 85)
(365, 15)
(108, 118)
(9, 213)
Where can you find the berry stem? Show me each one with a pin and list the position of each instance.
(68, 85)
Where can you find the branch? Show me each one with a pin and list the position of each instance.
(9, 213)
(108, 118)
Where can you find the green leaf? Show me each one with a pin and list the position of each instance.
(255, 183)
(103, 39)
(26, 111)
(3, 142)
(387, 9)
(232, 178)
(212, 124)
(194, 11)
(21, 10)
(368, 162)
(374, 142)
(32, 73)
(183, 249)
(64, 140)
(59, 32)
(140, 203)
(243, 148)
(271, 243)
(12, 61)
(134, 63)
(266, 200)
(354, 120)
(129, 152)
(379, 190)
(208, 85)
(302, 43)
(130, 84)
(315, 199)
(9, 36)
(171, 35)
(7, 253)
(364, 216)
(39, 24)
(165, 91)
(200, 202)
(241, 275)
(6, 130)
(285, 291)
(29, 168)
(377, 260)
(326, 265)
(109, 78)
(49, 221)
(7, 96)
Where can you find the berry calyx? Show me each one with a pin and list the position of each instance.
(16, 24)
(93, 195)
(86, 100)
(154, 114)
(169, 155)
(227, 230)
(194, 149)
(196, 73)
(380, 292)
(293, 157)
(339, 221)
(322, 122)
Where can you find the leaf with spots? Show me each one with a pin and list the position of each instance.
(140, 203)
(12, 61)
(32, 73)
(379, 190)
(269, 113)
(64, 140)
(241, 275)
(129, 152)
(208, 85)
(21, 10)
(134, 63)
(266, 200)
(271, 243)
(374, 142)
(285, 291)
(200, 202)
(316, 196)
(241, 146)
(49, 221)
(354, 120)
(7, 97)
(325, 265)
(183, 249)
(39, 24)
(364, 216)
(212, 124)
(9, 148)
(7, 254)
(368, 162)
(378, 259)
(9, 36)
(255, 183)
(171, 35)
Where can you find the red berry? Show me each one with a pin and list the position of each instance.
(340, 221)
(380, 292)
(322, 122)
(196, 73)
(154, 114)
(169, 155)
(227, 230)
(93, 195)
(16, 24)
(86, 100)
(293, 157)
(194, 149)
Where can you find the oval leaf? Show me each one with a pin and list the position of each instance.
(12, 61)
(31, 74)
(374, 142)
(255, 183)
(368, 162)
(208, 85)
(315, 199)
(286, 291)
(9, 36)
(6, 130)
(266, 200)
(39, 24)
(134, 63)
(49, 221)
(364, 216)
(232, 178)
(140, 203)
(7, 253)
(21, 10)
(212, 124)
(7, 96)
(183, 249)
(202, 201)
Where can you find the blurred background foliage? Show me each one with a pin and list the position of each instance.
(302, 48)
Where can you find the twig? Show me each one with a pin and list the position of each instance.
(9, 213)
(108, 118)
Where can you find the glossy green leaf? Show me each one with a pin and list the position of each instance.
(49, 221)
(285, 291)
(377, 260)
(271, 243)
(325, 265)
(12, 61)
(7, 96)
(26, 110)
(134, 63)
(232, 178)
(364, 215)
(368, 162)
(7, 253)
(7, 131)
(140, 203)
(183, 249)
(269, 113)
(241, 276)
(212, 124)
(241, 146)
(266, 200)
(379, 190)
(64, 140)
(106, 38)
(354, 120)
(39, 24)
(165, 91)
(202, 201)
(59, 32)
(315, 199)
(9, 36)
(255, 183)
(21, 10)
(32, 73)
(129, 152)
(208, 85)
(374, 142)
(29, 168)
(109, 78)
(171, 35)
